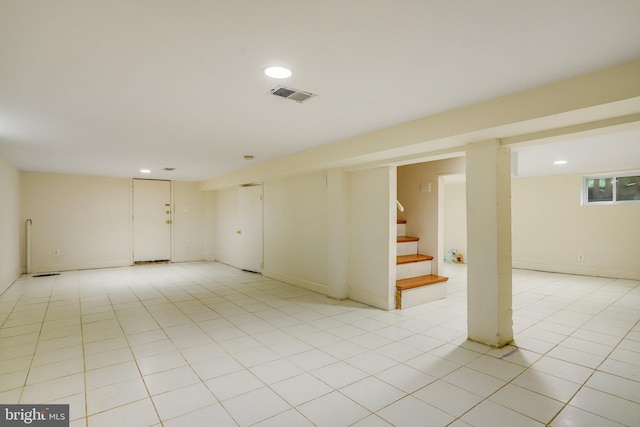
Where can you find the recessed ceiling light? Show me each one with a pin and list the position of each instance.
(278, 72)
(145, 171)
(560, 162)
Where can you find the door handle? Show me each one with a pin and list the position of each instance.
(168, 221)
(239, 232)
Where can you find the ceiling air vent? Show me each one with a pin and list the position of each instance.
(293, 94)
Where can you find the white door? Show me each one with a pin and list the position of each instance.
(151, 220)
(250, 231)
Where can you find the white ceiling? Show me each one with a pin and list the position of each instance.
(598, 154)
(109, 87)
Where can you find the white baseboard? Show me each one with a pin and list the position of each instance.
(88, 266)
(297, 281)
(582, 271)
(384, 303)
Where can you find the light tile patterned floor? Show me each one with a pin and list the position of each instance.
(204, 344)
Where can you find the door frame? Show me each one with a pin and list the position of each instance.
(173, 215)
(242, 225)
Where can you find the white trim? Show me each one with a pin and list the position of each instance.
(378, 301)
(581, 271)
(296, 281)
(88, 266)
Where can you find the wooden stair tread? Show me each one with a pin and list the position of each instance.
(401, 221)
(416, 282)
(405, 259)
(402, 239)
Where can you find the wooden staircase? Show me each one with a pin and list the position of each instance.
(415, 284)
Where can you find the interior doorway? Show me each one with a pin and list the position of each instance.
(250, 227)
(452, 224)
(151, 220)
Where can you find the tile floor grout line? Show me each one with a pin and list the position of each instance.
(292, 407)
(581, 386)
(35, 350)
(84, 359)
(195, 287)
(604, 359)
(584, 384)
(202, 381)
(124, 334)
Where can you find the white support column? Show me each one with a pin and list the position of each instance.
(338, 232)
(489, 287)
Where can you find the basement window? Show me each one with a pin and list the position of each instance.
(611, 189)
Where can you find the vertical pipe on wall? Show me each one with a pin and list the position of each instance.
(29, 246)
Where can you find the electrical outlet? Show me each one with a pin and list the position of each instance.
(425, 188)
(580, 257)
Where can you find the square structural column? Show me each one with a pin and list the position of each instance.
(489, 280)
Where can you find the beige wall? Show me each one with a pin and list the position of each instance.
(295, 231)
(421, 208)
(189, 230)
(10, 225)
(298, 235)
(88, 220)
(210, 208)
(455, 218)
(372, 237)
(550, 229)
(85, 218)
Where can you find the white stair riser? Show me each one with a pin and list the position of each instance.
(413, 269)
(400, 230)
(407, 248)
(424, 294)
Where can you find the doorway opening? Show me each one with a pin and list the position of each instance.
(152, 218)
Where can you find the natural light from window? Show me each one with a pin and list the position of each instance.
(611, 189)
